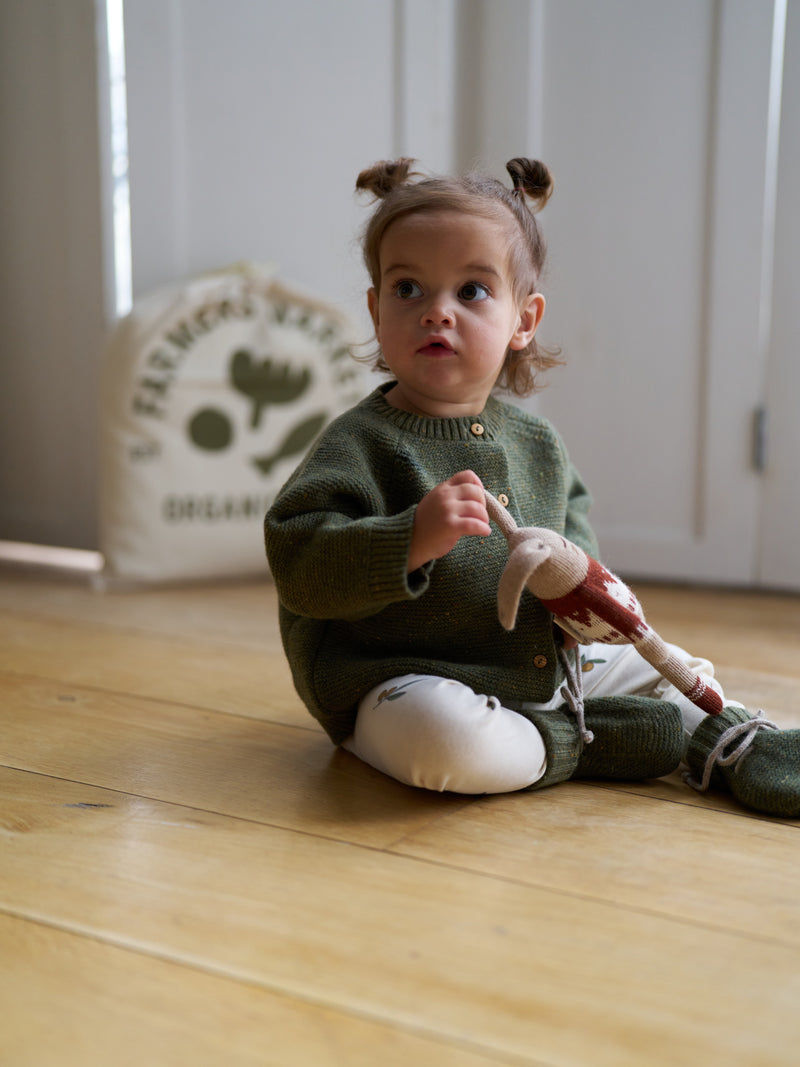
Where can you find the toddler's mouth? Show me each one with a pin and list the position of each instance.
(436, 346)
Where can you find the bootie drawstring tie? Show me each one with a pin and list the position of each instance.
(745, 732)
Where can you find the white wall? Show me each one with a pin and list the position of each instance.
(51, 275)
(246, 125)
(248, 122)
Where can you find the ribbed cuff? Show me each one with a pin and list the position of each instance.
(390, 541)
(561, 741)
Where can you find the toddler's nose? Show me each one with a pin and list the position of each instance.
(438, 313)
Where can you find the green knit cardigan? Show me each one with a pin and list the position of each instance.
(338, 537)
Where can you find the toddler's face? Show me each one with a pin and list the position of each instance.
(445, 314)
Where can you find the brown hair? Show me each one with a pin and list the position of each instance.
(392, 183)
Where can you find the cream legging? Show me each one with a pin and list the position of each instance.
(439, 734)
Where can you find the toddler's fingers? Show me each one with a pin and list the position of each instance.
(471, 490)
(469, 487)
(470, 508)
(465, 478)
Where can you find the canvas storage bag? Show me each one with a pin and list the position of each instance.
(212, 392)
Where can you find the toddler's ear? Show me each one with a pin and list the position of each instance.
(530, 315)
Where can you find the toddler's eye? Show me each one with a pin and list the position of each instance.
(407, 289)
(473, 291)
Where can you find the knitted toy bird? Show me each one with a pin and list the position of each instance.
(587, 601)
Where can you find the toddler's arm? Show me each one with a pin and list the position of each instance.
(577, 526)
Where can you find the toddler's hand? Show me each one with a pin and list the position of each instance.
(454, 509)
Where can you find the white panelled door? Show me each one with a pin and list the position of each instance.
(779, 514)
(659, 123)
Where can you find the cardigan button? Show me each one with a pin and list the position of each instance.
(540, 661)
(477, 429)
(502, 499)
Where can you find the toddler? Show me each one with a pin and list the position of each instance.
(386, 563)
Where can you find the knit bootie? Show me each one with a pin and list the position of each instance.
(634, 738)
(749, 756)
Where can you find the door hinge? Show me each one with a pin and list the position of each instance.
(760, 439)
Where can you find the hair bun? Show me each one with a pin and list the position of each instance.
(382, 177)
(532, 178)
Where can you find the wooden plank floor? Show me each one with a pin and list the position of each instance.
(191, 874)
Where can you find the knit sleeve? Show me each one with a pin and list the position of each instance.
(577, 527)
(335, 548)
(566, 492)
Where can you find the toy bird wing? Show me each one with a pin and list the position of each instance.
(526, 553)
(523, 562)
